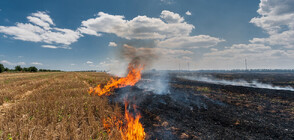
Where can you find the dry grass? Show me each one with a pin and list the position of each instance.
(53, 106)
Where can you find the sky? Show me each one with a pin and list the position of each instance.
(183, 34)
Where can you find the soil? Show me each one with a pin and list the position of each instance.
(199, 110)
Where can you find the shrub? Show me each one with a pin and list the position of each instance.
(2, 68)
(18, 68)
(32, 69)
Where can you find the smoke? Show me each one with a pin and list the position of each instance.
(156, 82)
(254, 83)
(138, 56)
(129, 54)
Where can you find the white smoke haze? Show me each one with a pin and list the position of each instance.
(156, 83)
(254, 83)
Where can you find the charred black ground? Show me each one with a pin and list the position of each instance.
(199, 110)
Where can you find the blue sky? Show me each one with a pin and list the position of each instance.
(207, 34)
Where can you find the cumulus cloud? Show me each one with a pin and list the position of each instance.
(169, 34)
(39, 22)
(260, 55)
(11, 63)
(37, 63)
(140, 27)
(167, 1)
(158, 51)
(186, 58)
(200, 41)
(43, 16)
(171, 17)
(112, 44)
(49, 46)
(275, 51)
(169, 30)
(41, 29)
(188, 13)
(277, 19)
(89, 62)
(240, 51)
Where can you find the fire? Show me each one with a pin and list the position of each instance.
(131, 130)
(134, 75)
(134, 129)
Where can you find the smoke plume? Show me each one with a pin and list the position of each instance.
(138, 56)
(254, 84)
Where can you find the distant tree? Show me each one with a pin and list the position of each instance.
(25, 69)
(2, 68)
(32, 69)
(6, 69)
(18, 68)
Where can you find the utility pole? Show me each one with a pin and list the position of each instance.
(179, 67)
(246, 68)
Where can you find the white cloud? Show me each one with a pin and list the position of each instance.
(258, 56)
(21, 31)
(49, 46)
(140, 27)
(10, 63)
(156, 51)
(112, 44)
(40, 30)
(188, 13)
(171, 17)
(36, 63)
(274, 51)
(277, 19)
(89, 62)
(39, 22)
(169, 31)
(240, 50)
(72, 64)
(167, 1)
(200, 41)
(186, 58)
(43, 16)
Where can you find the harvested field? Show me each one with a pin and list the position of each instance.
(52, 106)
(57, 106)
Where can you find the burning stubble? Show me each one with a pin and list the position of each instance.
(132, 129)
(138, 59)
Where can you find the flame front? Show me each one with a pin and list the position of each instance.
(134, 75)
(132, 129)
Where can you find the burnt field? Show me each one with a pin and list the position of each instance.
(172, 106)
(191, 109)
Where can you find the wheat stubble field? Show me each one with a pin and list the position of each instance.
(53, 106)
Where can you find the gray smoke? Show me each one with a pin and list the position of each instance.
(138, 56)
(254, 83)
(156, 83)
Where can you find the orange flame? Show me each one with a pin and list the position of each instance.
(132, 130)
(134, 75)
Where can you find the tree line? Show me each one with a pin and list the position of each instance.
(18, 68)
